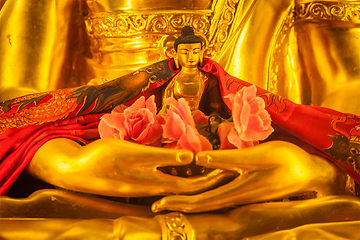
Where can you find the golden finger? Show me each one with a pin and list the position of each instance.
(178, 185)
(266, 155)
(247, 188)
(141, 155)
(221, 197)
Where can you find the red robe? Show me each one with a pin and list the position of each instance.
(28, 122)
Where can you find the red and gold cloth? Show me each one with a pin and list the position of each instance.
(27, 122)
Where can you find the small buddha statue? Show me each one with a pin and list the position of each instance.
(190, 81)
(197, 87)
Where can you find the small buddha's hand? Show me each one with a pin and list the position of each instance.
(269, 171)
(114, 167)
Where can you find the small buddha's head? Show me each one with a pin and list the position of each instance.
(188, 49)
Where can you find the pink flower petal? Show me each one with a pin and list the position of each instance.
(181, 108)
(190, 140)
(174, 128)
(192, 137)
(249, 93)
(115, 120)
(171, 101)
(180, 127)
(205, 144)
(223, 131)
(135, 123)
(151, 105)
(234, 139)
(231, 100)
(138, 128)
(251, 120)
(161, 118)
(255, 135)
(257, 104)
(153, 135)
(242, 123)
(138, 104)
(183, 143)
(105, 130)
(265, 116)
(185, 112)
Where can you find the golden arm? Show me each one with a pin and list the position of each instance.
(114, 167)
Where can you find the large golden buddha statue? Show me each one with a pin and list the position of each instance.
(278, 51)
(306, 51)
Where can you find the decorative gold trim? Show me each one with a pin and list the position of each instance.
(222, 26)
(355, 151)
(120, 24)
(214, 26)
(175, 226)
(176, 60)
(277, 54)
(339, 11)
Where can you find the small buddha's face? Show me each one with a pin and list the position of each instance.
(189, 54)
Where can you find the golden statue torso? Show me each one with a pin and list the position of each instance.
(189, 86)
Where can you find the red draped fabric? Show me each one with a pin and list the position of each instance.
(322, 131)
(318, 130)
(18, 145)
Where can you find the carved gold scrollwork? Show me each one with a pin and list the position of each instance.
(166, 26)
(158, 24)
(223, 26)
(175, 226)
(138, 23)
(110, 25)
(178, 21)
(120, 23)
(277, 54)
(340, 11)
(200, 24)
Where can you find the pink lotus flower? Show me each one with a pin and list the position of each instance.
(179, 128)
(251, 120)
(137, 123)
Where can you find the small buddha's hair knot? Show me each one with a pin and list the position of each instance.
(187, 31)
(187, 36)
